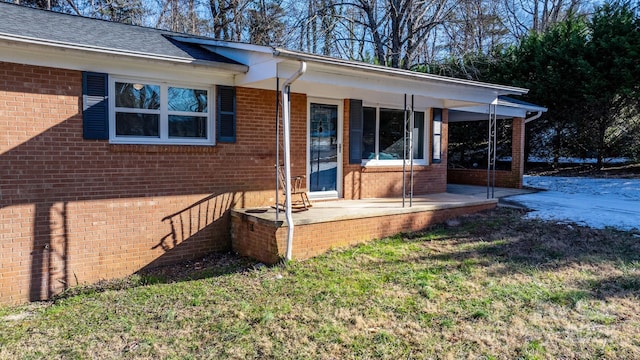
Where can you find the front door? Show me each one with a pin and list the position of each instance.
(325, 149)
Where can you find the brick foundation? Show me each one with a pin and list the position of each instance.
(266, 240)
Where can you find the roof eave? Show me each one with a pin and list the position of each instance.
(500, 89)
(528, 108)
(238, 68)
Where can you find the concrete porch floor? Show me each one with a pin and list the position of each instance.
(336, 210)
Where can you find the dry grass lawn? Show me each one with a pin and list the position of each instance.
(492, 286)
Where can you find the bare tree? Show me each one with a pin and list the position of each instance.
(523, 16)
(476, 29)
(316, 26)
(398, 29)
(123, 11)
(265, 23)
(227, 18)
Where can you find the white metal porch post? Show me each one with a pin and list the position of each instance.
(286, 122)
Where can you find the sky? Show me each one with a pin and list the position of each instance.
(597, 203)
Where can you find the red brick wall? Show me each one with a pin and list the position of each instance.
(76, 211)
(508, 179)
(378, 181)
(266, 241)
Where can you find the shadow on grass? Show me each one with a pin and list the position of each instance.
(615, 286)
(521, 245)
(209, 266)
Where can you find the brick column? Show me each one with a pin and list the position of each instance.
(517, 151)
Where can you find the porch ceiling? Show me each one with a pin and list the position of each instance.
(324, 82)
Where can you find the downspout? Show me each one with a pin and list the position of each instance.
(286, 124)
(412, 124)
(534, 117)
(404, 153)
(277, 148)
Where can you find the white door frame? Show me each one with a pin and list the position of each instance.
(338, 192)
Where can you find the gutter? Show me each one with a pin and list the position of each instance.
(533, 117)
(286, 120)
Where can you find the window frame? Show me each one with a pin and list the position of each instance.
(426, 145)
(164, 114)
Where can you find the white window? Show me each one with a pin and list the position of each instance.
(383, 140)
(147, 112)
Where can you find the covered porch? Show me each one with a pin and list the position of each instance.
(491, 119)
(260, 233)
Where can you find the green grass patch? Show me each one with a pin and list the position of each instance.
(497, 286)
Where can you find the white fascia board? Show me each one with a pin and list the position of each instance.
(348, 78)
(112, 63)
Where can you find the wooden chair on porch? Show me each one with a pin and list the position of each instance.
(299, 198)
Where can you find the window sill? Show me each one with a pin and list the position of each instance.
(392, 166)
(392, 163)
(155, 148)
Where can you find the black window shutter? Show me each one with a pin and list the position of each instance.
(355, 131)
(226, 114)
(95, 106)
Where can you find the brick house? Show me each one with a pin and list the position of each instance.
(125, 147)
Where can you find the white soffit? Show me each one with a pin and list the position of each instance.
(456, 115)
(346, 78)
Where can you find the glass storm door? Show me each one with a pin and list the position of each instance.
(324, 150)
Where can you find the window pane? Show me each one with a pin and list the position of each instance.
(192, 100)
(187, 126)
(369, 133)
(418, 135)
(133, 124)
(323, 147)
(437, 155)
(391, 129)
(437, 135)
(137, 96)
(437, 127)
